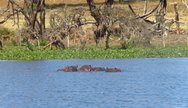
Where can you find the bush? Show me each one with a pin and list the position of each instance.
(43, 42)
(5, 31)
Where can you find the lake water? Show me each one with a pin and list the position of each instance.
(144, 83)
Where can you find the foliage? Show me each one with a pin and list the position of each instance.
(5, 31)
(21, 53)
(43, 42)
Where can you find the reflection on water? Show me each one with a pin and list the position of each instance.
(144, 83)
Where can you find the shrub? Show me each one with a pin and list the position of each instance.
(5, 31)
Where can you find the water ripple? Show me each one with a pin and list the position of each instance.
(145, 83)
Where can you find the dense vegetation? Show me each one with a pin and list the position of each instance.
(19, 53)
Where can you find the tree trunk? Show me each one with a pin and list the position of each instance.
(1, 44)
(163, 4)
(94, 12)
(145, 7)
(102, 20)
(176, 16)
(42, 17)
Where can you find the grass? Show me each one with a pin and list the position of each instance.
(20, 53)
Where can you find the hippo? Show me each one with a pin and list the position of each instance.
(98, 68)
(70, 69)
(89, 68)
(86, 68)
(113, 70)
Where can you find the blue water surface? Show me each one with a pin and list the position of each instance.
(144, 83)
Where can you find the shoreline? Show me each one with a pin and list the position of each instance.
(20, 53)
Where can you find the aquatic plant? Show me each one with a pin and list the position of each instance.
(22, 53)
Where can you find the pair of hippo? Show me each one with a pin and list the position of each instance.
(88, 68)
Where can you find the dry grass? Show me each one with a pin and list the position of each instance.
(3, 3)
(183, 11)
(70, 1)
(138, 6)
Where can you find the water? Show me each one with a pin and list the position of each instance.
(144, 83)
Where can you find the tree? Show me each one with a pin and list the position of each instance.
(33, 12)
(105, 19)
(102, 20)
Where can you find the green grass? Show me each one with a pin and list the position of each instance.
(20, 53)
